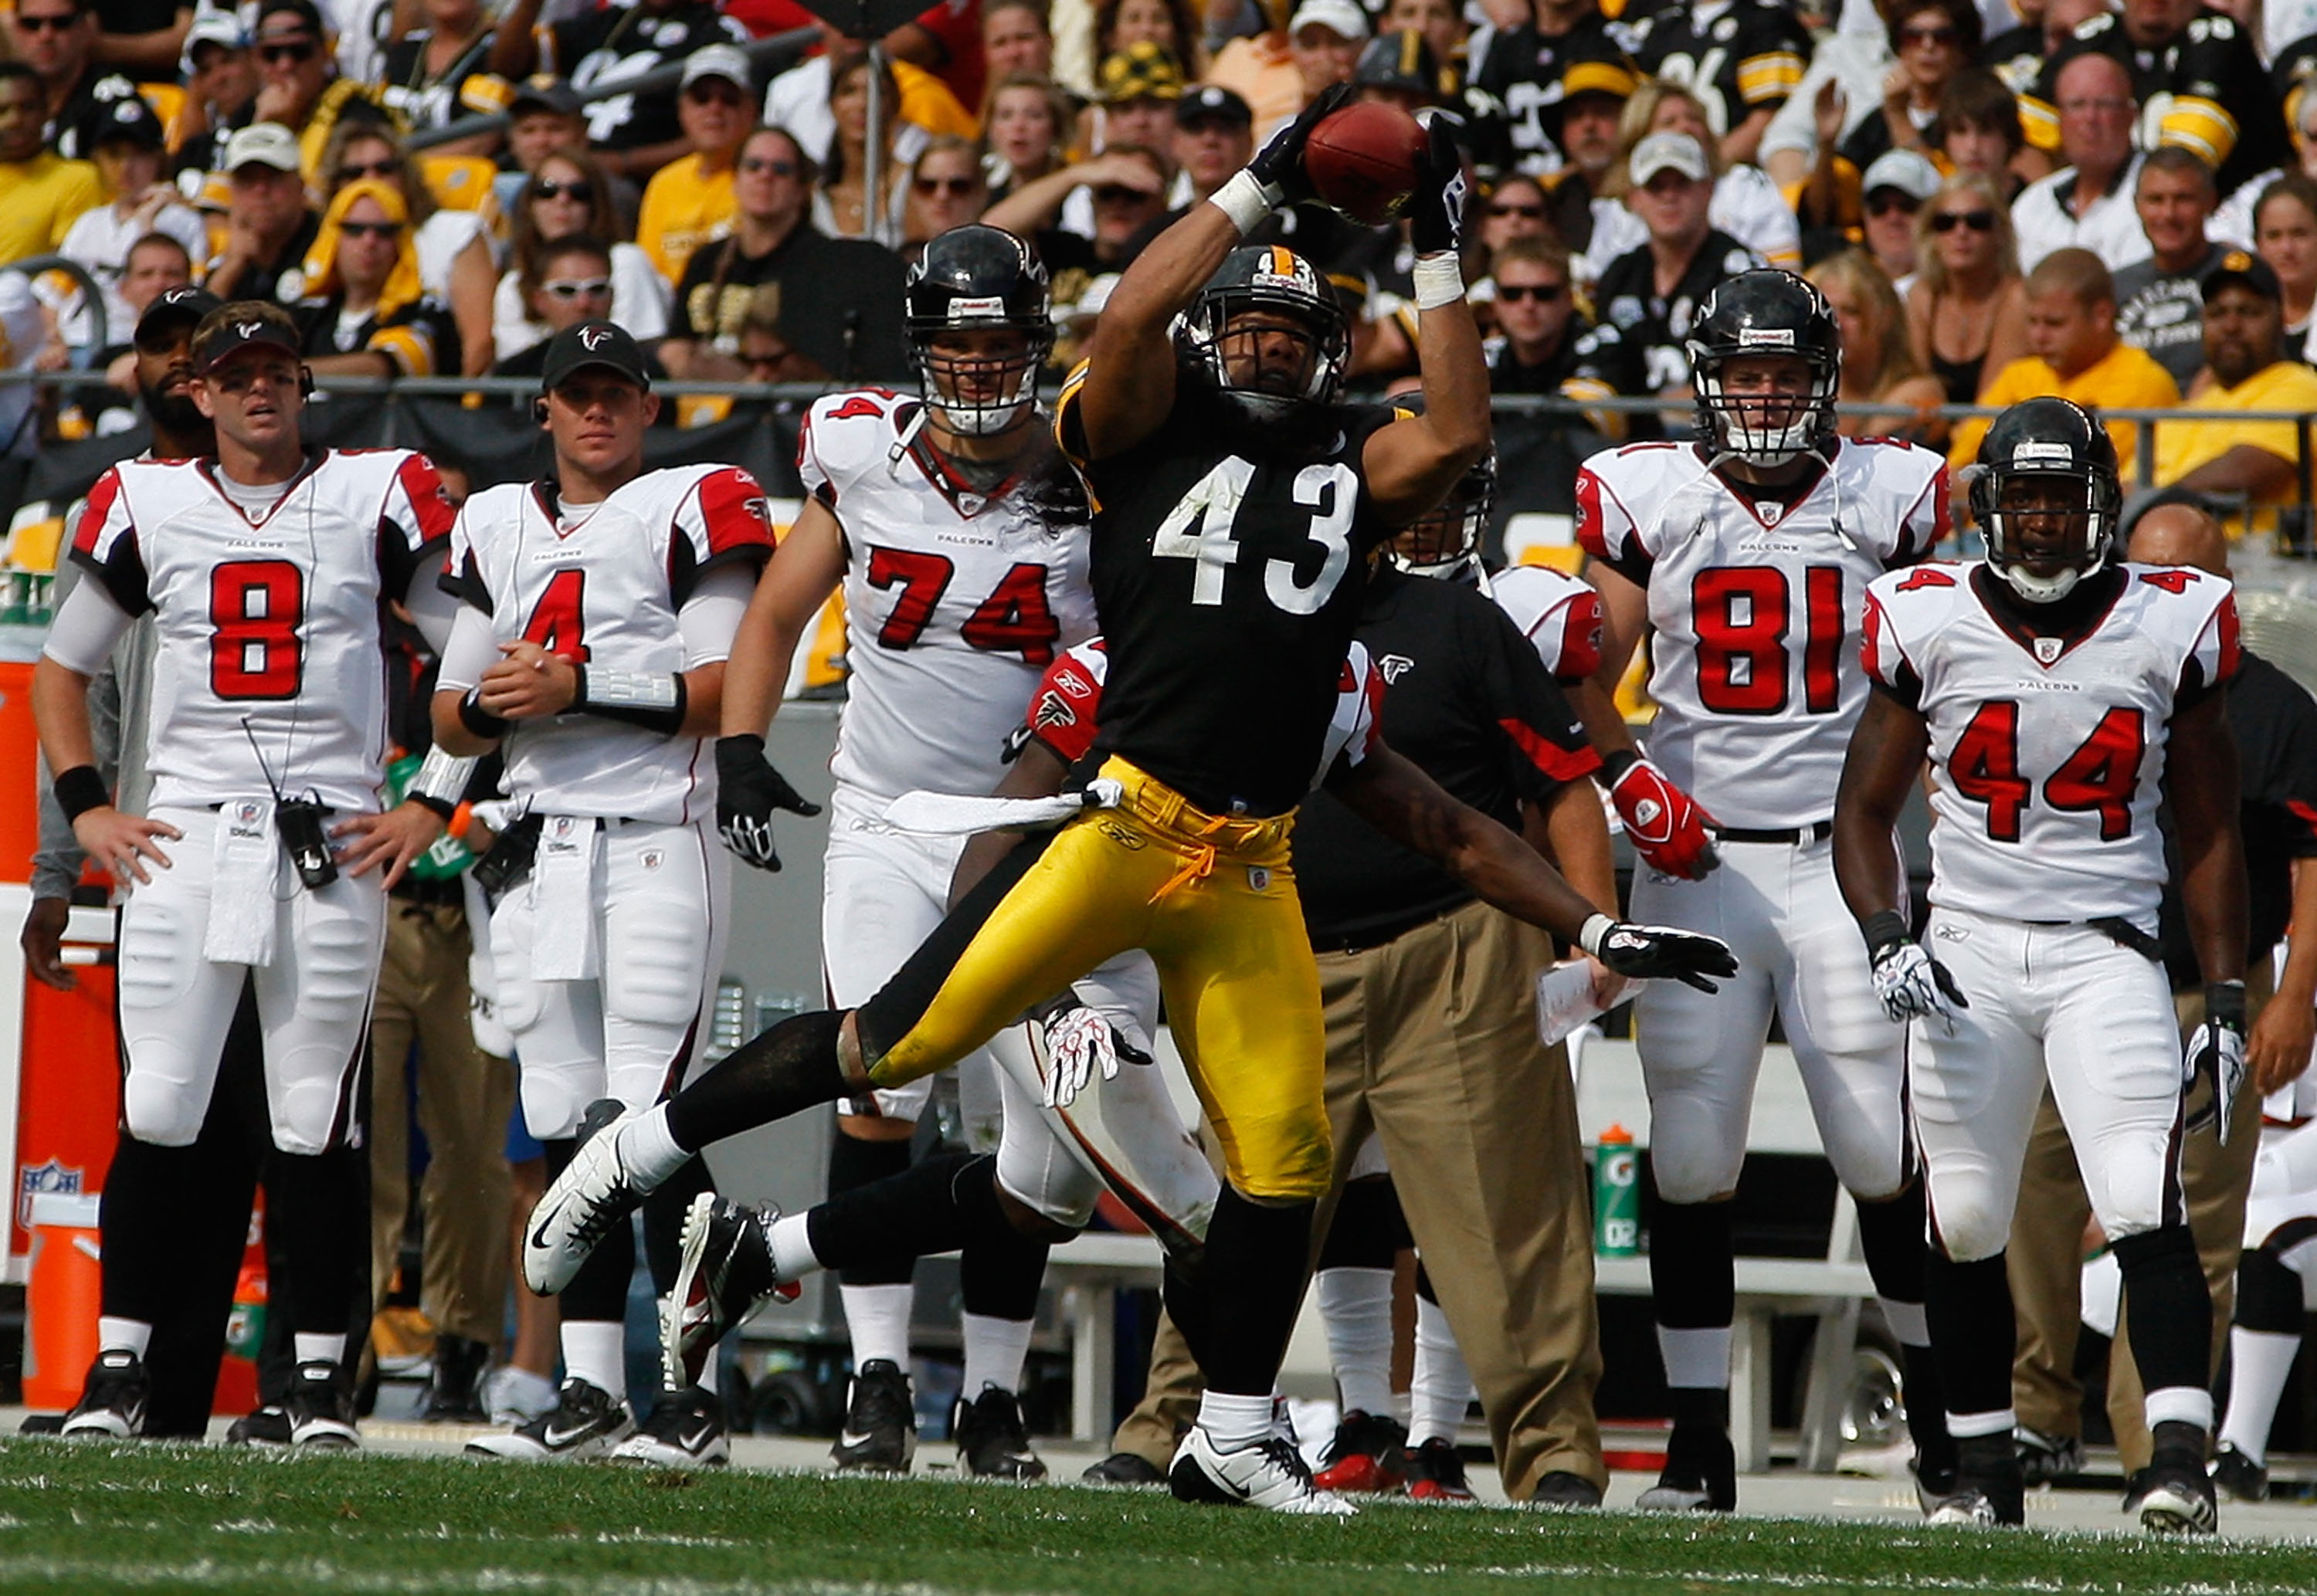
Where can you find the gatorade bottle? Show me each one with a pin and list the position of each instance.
(245, 1329)
(1616, 1195)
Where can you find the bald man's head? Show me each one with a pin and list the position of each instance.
(2180, 535)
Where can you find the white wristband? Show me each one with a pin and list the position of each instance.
(1245, 201)
(1439, 281)
(1589, 934)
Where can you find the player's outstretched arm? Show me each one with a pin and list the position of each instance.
(1129, 386)
(1400, 800)
(1412, 463)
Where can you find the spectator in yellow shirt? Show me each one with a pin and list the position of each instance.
(2074, 353)
(41, 193)
(689, 201)
(2256, 463)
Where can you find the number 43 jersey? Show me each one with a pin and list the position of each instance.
(956, 597)
(272, 669)
(603, 585)
(2047, 753)
(1755, 602)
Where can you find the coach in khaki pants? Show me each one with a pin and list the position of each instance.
(1430, 1010)
(2274, 722)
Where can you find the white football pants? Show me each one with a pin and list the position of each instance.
(661, 898)
(313, 997)
(2064, 1002)
(1798, 949)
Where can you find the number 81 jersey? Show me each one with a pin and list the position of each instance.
(956, 597)
(2047, 753)
(1755, 607)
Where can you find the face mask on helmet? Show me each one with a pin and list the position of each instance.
(2064, 522)
(1763, 428)
(1446, 543)
(1270, 347)
(981, 377)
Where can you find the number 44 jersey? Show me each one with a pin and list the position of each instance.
(2047, 753)
(957, 595)
(1755, 603)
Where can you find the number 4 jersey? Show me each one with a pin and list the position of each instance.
(270, 647)
(603, 585)
(2047, 753)
(1755, 600)
(956, 595)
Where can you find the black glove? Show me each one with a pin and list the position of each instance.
(1648, 952)
(747, 790)
(2217, 1048)
(1278, 165)
(1435, 211)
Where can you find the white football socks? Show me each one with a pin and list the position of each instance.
(123, 1335)
(1355, 1305)
(2262, 1361)
(1441, 1387)
(1696, 1358)
(995, 1351)
(596, 1351)
(648, 1148)
(313, 1348)
(877, 1317)
(790, 1239)
(1232, 1421)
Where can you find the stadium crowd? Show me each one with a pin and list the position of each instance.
(1999, 204)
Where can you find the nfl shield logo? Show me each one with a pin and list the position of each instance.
(2047, 649)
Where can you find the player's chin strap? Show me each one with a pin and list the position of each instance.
(949, 814)
(908, 435)
(1714, 463)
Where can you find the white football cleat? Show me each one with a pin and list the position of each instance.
(594, 1192)
(1269, 1473)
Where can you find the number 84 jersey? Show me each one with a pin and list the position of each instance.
(1755, 602)
(2047, 753)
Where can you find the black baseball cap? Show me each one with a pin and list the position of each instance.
(2240, 267)
(304, 9)
(228, 339)
(179, 306)
(592, 343)
(125, 120)
(1212, 103)
(550, 94)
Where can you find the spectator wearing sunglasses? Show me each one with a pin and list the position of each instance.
(946, 190)
(689, 200)
(569, 194)
(1933, 41)
(1892, 194)
(2159, 302)
(1534, 349)
(57, 38)
(2074, 354)
(1967, 312)
(219, 71)
(1743, 203)
(1127, 187)
(298, 85)
(1517, 207)
(364, 313)
(575, 285)
(842, 297)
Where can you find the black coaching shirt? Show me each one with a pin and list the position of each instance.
(2274, 721)
(1228, 568)
(1468, 701)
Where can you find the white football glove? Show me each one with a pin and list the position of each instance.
(2217, 1048)
(1078, 1041)
(1909, 981)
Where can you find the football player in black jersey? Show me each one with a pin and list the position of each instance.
(1236, 506)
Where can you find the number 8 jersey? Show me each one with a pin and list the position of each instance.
(1755, 600)
(2047, 753)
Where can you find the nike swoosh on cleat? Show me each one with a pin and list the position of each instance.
(562, 1438)
(847, 1439)
(538, 1232)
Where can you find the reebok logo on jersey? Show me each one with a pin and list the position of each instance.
(1394, 666)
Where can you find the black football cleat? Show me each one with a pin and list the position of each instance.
(112, 1400)
(1700, 1473)
(685, 1430)
(881, 1421)
(2238, 1478)
(992, 1442)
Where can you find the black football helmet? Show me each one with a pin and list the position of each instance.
(1446, 543)
(971, 279)
(1764, 311)
(1268, 277)
(1400, 61)
(2047, 437)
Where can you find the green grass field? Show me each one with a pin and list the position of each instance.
(78, 1519)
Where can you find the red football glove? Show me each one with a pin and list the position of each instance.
(1667, 827)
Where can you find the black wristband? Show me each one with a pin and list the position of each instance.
(2224, 1003)
(80, 790)
(477, 719)
(1616, 762)
(1882, 931)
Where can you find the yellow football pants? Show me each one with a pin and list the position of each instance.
(1211, 899)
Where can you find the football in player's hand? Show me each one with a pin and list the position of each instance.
(1364, 159)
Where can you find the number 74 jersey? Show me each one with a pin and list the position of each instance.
(1755, 606)
(2047, 753)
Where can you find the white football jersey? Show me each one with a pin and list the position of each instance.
(955, 601)
(1066, 711)
(271, 673)
(1754, 609)
(2047, 754)
(1559, 613)
(604, 584)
